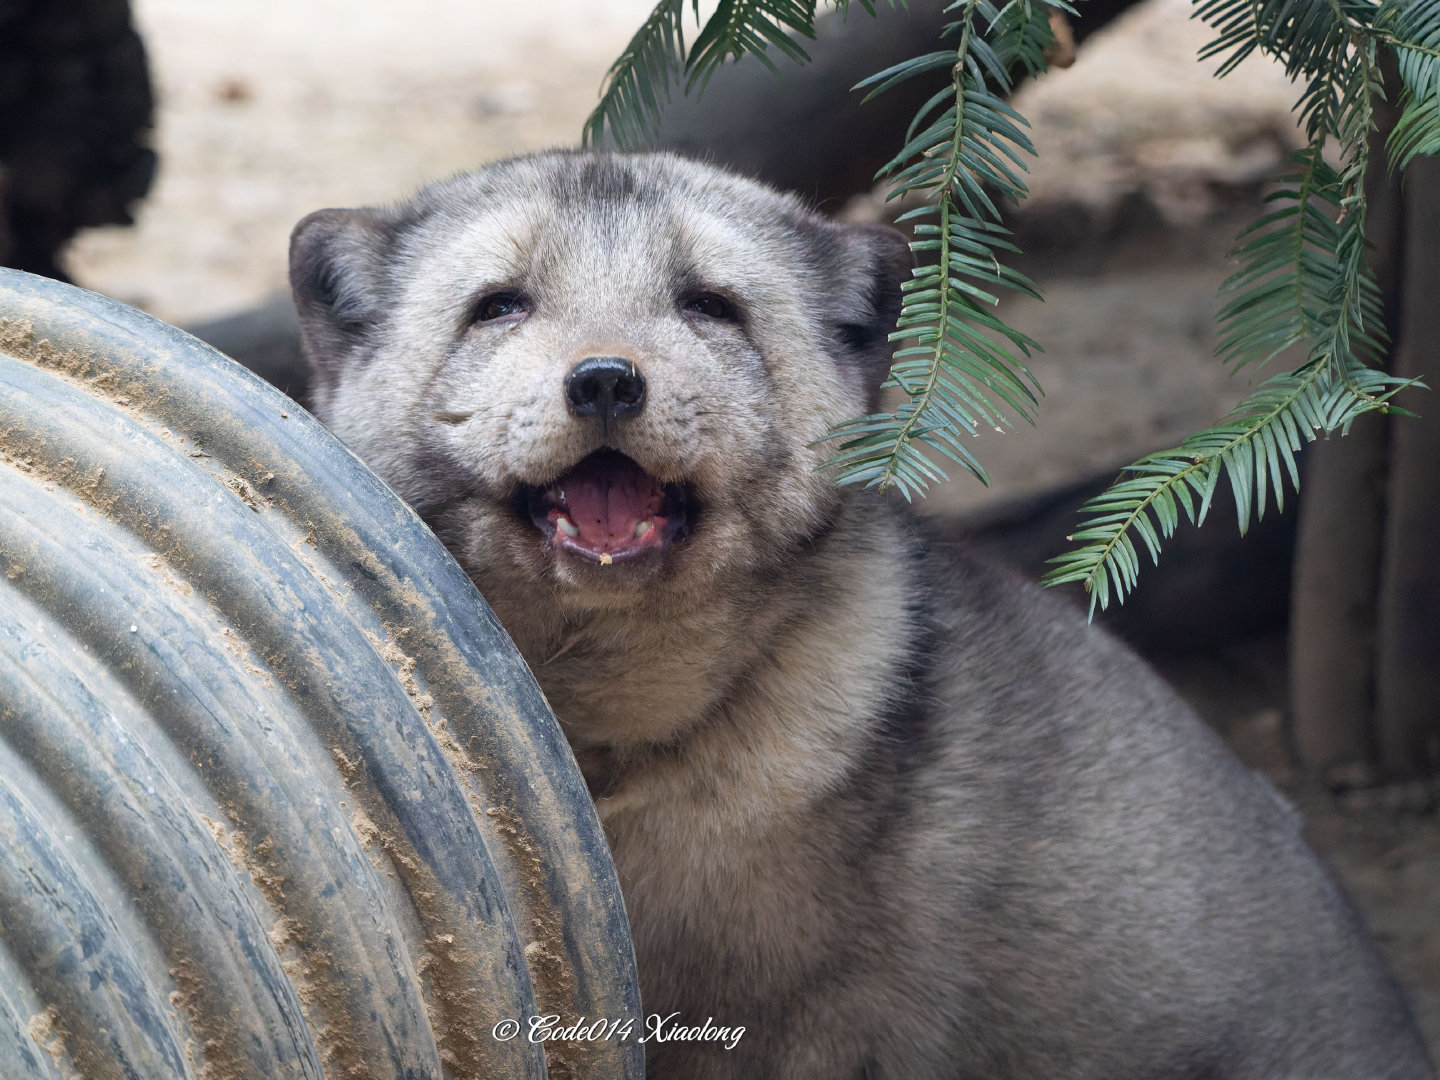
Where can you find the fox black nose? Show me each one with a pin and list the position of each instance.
(609, 387)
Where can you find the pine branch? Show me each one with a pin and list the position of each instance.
(1411, 28)
(1303, 280)
(1284, 278)
(1254, 445)
(1353, 316)
(950, 373)
(637, 86)
(965, 368)
(748, 26)
(1303, 35)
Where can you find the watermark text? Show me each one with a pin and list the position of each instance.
(654, 1028)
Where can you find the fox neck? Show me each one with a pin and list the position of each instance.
(770, 667)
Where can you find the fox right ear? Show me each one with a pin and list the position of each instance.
(338, 279)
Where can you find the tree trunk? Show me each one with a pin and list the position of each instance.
(1332, 619)
(1365, 620)
(1340, 542)
(1408, 665)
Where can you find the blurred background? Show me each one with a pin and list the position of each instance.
(159, 151)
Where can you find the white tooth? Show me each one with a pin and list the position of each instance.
(641, 528)
(565, 525)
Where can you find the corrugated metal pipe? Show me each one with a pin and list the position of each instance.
(278, 797)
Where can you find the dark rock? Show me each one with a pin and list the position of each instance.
(76, 108)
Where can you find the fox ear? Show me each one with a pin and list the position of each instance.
(337, 276)
(877, 262)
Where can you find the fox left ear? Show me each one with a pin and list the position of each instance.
(338, 261)
(876, 261)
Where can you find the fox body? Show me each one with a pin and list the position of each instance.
(891, 811)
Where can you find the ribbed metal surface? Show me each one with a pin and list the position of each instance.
(278, 797)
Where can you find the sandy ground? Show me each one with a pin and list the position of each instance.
(272, 108)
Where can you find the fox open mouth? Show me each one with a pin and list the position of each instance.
(607, 508)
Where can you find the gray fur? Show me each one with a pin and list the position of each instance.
(897, 814)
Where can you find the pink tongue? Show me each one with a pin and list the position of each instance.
(607, 498)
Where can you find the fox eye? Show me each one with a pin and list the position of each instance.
(712, 306)
(497, 305)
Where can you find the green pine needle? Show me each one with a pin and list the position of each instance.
(1412, 30)
(637, 87)
(962, 368)
(1302, 282)
(1254, 446)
